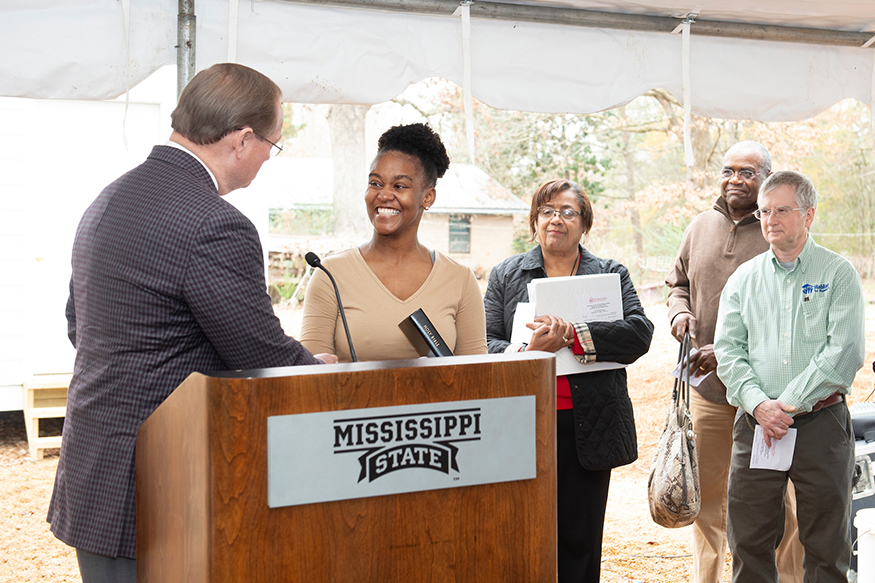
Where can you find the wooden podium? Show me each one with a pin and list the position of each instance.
(202, 486)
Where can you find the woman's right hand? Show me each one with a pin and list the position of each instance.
(550, 333)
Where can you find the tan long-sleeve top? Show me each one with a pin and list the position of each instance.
(450, 297)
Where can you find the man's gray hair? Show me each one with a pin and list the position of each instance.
(765, 157)
(806, 195)
(225, 98)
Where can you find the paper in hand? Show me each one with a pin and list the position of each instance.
(525, 313)
(695, 379)
(777, 457)
(566, 363)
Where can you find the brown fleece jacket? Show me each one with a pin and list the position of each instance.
(712, 248)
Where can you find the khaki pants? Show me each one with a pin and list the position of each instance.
(713, 425)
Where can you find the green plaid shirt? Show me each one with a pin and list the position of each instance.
(794, 336)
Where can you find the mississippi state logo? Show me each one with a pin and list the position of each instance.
(357, 453)
(389, 443)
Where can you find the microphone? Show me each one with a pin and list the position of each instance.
(314, 262)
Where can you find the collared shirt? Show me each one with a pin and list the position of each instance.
(795, 336)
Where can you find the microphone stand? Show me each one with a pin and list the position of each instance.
(314, 261)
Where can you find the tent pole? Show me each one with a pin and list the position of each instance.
(185, 45)
(611, 20)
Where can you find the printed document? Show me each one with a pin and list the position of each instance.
(583, 298)
(580, 298)
(778, 457)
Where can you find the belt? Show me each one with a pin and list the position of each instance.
(833, 399)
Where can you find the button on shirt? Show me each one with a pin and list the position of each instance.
(795, 336)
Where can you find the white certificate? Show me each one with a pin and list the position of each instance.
(566, 363)
(579, 298)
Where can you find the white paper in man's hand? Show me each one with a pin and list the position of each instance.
(778, 457)
(694, 379)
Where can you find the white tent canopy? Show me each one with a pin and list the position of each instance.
(330, 54)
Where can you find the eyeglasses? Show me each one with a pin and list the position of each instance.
(780, 212)
(546, 212)
(744, 173)
(279, 149)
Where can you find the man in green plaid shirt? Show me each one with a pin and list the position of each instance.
(789, 341)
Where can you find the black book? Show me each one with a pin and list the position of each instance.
(423, 335)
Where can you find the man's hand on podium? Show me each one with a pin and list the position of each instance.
(327, 358)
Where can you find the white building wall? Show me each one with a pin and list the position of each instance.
(55, 158)
(12, 250)
(491, 240)
(434, 231)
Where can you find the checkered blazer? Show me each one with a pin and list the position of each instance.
(167, 280)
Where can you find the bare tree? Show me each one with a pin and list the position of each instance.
(631, 188)
(347, 123)
(705, 134)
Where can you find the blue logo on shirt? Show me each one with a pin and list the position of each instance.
(808, 288)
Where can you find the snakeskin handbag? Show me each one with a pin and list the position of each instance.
(673, 486)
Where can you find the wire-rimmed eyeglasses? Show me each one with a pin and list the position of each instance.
(744, 173)
(279, 148)
(546, 212)
(780, 212)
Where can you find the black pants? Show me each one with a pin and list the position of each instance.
(101, 569)
(582, 498)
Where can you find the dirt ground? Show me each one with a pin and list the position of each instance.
(635, 549)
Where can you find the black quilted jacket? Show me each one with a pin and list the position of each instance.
(605, 425)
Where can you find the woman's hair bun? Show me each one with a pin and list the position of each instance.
(420, 141)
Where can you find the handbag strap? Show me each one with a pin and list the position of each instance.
(681, 390)
(685, 369)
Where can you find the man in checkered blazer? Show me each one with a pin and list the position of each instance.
(167, 280)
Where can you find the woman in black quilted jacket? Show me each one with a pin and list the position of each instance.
(595, 427)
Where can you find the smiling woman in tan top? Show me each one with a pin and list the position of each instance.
(391, 276)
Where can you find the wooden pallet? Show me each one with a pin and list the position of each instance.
(45, 397)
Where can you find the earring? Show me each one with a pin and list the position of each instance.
(426, 207)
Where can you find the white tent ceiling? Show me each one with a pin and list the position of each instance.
(328, 54)
(849, 15)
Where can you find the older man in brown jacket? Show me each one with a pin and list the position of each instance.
(714, 245)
